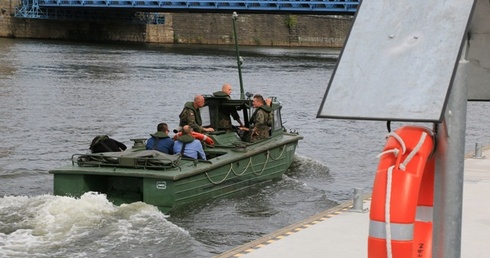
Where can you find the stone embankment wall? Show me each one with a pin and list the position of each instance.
(5, 19)
(187, 28)
(117, 30)
(264, 30)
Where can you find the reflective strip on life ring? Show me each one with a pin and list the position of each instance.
(199, 136)
(402, 232)
(403, 195)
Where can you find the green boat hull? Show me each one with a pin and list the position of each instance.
(231, 170)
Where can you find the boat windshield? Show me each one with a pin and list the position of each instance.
(277, 120)
(219, 108)
(206, 120)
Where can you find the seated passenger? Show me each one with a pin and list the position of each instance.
(102, 143)
(261, 119)
(160, 140)
(187, 146)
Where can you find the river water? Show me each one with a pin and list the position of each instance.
(56, 96)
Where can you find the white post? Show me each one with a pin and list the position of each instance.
(478, 151)
(358, 204)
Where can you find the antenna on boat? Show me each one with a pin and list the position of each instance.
(238, 57)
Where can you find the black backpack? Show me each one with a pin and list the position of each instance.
(102, 143)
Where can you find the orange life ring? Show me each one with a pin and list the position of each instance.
(199, 136)
(403, 196)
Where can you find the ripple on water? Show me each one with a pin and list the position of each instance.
(56, 96)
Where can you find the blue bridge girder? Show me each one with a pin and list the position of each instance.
(36, 8)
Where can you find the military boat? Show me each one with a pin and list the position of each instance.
(233, 162)
(166, 181)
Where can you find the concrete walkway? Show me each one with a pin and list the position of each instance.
(342, 232)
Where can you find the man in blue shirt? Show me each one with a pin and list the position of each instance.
(187, 146)
(160, 140)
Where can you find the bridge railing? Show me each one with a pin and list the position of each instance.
(342, 7)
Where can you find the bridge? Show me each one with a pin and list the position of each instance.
(63, 9)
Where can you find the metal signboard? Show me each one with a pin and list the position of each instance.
(399, 61)
(479, 53)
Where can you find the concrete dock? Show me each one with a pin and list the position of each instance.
(343, 231)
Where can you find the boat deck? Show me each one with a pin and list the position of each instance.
(219, 156)
(167, 181)
(342, 232)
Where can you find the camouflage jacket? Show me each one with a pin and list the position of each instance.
(262, 121)
(191, 116)
(224, 113)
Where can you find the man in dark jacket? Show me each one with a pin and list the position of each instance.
(160, 140)
(224, 113)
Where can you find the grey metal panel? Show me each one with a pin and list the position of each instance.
(479, 52)
(399, 61)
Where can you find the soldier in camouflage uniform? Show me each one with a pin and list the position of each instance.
(224, 113)
(261, 119)
(191, 115)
